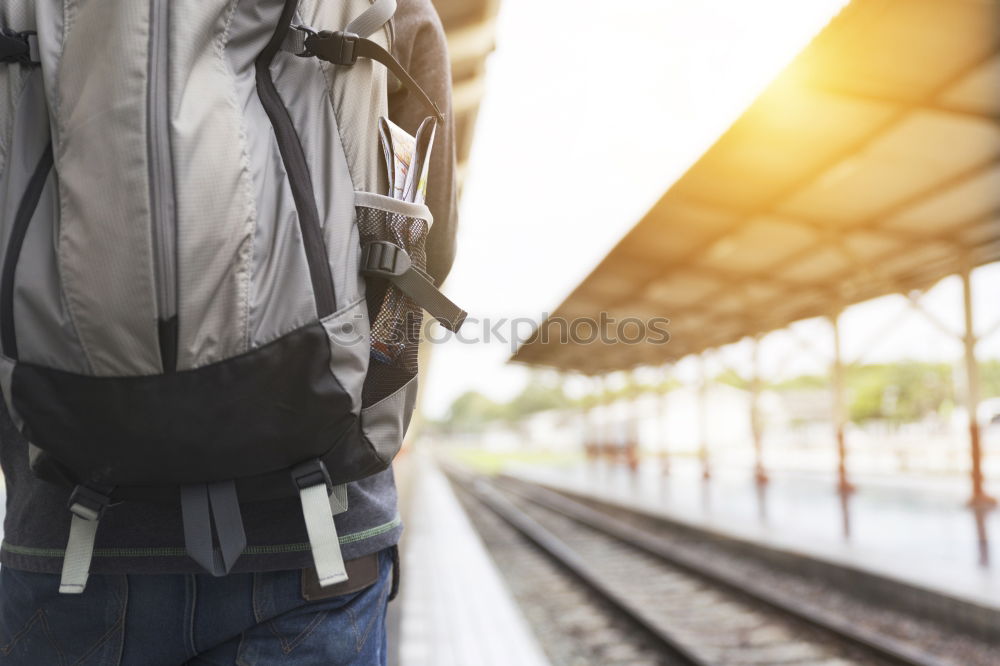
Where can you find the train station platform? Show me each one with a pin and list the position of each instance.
(917, 531)
(454, 607)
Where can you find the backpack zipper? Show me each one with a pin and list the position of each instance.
(161, 183)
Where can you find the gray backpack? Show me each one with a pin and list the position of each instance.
(197, 259)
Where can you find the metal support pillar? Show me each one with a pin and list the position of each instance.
(756, 421)
(602, 422)
(706, 468)
(633, 418)
(608, 437)
(839, 408)
(594, 421)
(663, 424)
(587, 421)
(980, 515)
(980, 499)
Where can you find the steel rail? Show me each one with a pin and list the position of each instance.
(841, 629)
(565, 557)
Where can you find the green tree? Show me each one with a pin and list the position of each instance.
(732, 378)
(899, 392)
(802, 382)
(989, 374)
(536, 396)
(472, 410)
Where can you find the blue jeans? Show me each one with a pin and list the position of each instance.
(148, 620)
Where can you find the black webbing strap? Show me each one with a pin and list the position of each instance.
(387, 260)
(344, 48)
(18, 48)
(203, 505)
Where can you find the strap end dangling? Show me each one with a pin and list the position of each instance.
(313, 482)
(87, 506)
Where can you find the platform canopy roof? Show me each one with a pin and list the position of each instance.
(470, 26)
(871, 165)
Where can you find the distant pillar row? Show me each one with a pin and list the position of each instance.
(599, 438)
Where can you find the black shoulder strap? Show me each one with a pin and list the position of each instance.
(344, 48)
(18, 48)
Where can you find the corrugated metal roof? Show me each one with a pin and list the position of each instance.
(871, 165)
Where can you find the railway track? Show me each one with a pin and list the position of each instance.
(695, 611)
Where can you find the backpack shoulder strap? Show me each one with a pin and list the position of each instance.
(372, 18)
(363, 25)
(344, 47)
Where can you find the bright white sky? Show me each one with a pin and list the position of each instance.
(592, 110)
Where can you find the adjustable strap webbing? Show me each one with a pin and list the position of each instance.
(201, 506)
(18, 48)
(417, 286)
(228, 523)
(373, 18)
(344, 47)
(338, 499)
(388, 260)
(87, 506)
(363, 25)
(79, 553)
(313, 482)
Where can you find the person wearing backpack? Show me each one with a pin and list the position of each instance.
(197, 253)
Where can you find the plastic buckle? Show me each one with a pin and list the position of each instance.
(384, 259)
(339, 48)
(34, 52)
(312, 473)
(306, 34)
(88, 503)
(16, 47)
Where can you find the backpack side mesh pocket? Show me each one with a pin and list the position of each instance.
(395, 316)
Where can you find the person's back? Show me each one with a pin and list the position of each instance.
(148, 600)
